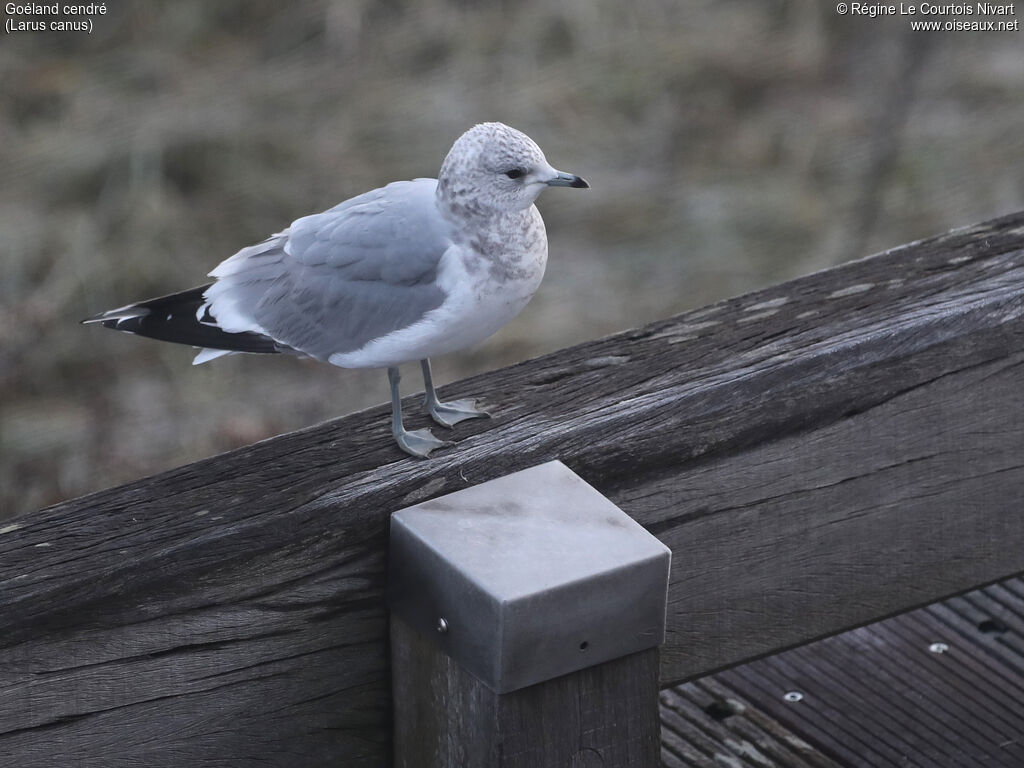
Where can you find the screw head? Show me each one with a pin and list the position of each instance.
(938, 647)
(442, 625)
(793, 696)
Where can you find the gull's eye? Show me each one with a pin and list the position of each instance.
(515, 173)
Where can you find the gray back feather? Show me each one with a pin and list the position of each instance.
(336, 280)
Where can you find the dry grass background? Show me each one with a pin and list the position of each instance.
(730, 144)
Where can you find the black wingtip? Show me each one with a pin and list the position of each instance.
(173, 318)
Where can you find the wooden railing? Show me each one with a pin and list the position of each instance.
(817, 455)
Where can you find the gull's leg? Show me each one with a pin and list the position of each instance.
(451, 413)
(419, 442)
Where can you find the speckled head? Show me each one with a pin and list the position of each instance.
(493, 169)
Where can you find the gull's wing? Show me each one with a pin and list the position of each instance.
(335, 281)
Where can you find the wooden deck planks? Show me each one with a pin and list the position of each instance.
(875, 696)
(729, 731)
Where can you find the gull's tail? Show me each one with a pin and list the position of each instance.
(182, 318)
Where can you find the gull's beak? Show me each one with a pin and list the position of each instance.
(567, 180)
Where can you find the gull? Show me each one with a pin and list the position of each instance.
(402, 273)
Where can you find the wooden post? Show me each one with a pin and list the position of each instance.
(527, 612)
(605, 715)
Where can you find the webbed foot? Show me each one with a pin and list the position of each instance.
(419, 442)
(450, 413)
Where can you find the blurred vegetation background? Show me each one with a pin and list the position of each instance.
(730, 144)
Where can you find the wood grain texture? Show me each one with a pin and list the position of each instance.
(818, 455)
(605, 716)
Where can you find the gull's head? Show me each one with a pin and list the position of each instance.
(492, 168)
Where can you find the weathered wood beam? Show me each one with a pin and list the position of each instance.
(817, 455)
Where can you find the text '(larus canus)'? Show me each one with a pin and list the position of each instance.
(406, 272)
